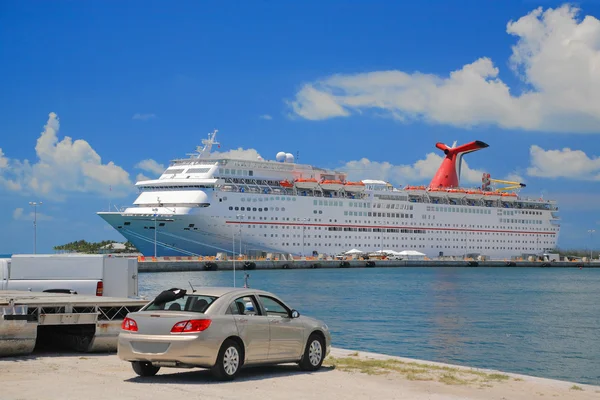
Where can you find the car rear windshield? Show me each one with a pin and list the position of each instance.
(192, 302)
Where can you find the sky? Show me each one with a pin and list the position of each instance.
(96, 95)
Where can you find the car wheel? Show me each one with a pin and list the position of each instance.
(144, 368)
(313, 354)
(228, 361)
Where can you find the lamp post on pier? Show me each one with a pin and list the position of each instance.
(35, 204)
(155, 215)
(241, 216)
(233, 251)
(591, 232)
(238, 216)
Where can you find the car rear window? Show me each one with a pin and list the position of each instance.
(192, 302)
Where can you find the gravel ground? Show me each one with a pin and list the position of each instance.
(104, 376)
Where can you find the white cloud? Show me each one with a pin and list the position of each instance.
(150, 165)
(143, 117)
(141, 177)
(563, 163)
(3, 160)
(556, 54)
(266, 116)
(20, 215)
(63, 167)
(513, 177)
(422, 171)
(317, 104)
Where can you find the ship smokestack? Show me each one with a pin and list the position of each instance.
(447, 176)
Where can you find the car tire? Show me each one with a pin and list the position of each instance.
(314, 354)
(144, 368)
(229, 361)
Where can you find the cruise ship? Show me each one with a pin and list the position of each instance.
(207, 204)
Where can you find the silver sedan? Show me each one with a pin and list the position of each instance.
(223, 329)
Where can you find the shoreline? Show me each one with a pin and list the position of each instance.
(103, 375)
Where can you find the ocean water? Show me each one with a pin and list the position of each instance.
(541, 322)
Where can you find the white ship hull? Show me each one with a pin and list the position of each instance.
(296, 229)
(204, 206)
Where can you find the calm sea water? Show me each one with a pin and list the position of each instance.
(541, 322)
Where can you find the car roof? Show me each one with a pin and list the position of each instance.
(220, 291)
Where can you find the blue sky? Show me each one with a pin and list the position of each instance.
(366, 86)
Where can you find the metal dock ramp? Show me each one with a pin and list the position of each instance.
(62, 321)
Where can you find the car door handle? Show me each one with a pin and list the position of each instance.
(276, 320)
(242, 320)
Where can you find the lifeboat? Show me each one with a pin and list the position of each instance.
(509, 196)
(286, 184)
(456, 193)
(306, 183)
(492, 194)
(354, 186)
(437, 192)
(416, 190)
(474, 194)
(333, 185)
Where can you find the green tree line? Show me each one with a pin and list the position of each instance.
(82, 246)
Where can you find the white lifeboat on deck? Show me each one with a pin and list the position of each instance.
(354, 187)
(306, 183)
(332, 185)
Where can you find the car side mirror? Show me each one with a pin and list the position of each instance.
(295, 314)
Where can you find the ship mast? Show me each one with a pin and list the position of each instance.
(204, 152)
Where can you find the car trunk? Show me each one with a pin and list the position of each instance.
(161, 322)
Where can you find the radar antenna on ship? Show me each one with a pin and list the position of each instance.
(204, 152)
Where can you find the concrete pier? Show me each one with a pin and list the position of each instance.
(214, 265)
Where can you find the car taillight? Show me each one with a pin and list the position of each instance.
(99, 288)
(129, 325)
(193, 325)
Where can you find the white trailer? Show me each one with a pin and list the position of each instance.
(85, 274)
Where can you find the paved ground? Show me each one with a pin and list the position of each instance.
(103, 376)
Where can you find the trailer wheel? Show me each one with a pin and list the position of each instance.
(144, 368)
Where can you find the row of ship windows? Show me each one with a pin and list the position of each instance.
(388, 230)
(259, 209)
(347, 245)
(408, 231)
(517, 212)
(502, 220)
(361, 204)
(465, 210)
(377, 214)
(175, 171)
(404, 238)
(521, 221)
(265, 198)
(238, 172)
(349, 221)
